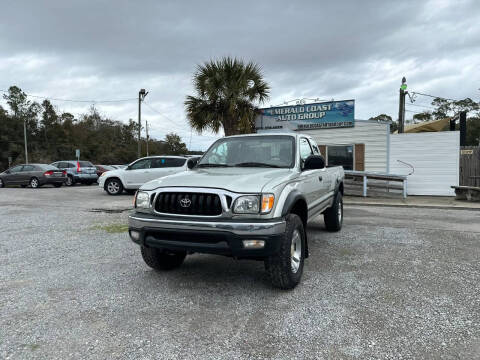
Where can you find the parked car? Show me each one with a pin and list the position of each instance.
(103, 168)
(78, 171)
(119, 166)
(249, 196)
(139, 172)
(33, 175)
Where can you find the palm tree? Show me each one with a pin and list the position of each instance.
(228, 91)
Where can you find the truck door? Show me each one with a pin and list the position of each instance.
(315, 187)
(309, 180)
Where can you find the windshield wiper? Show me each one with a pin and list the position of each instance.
(213, 165)
(256, 164)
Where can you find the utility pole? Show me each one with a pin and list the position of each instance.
(141, 96)
(146, 129)
(401, 106)
(25, 138)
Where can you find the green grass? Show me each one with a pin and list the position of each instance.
(345, 252)
(112, 228)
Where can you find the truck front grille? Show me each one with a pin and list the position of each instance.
(188, 203)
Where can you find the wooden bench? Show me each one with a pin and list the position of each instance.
(386, 180)
(470, 193)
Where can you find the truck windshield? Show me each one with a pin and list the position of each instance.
(251, 151)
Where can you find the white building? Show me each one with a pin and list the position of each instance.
(429, 159)
(364, 147)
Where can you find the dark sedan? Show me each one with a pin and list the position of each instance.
(34, 175)
(103, 168)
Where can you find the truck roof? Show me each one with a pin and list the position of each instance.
(271, 134)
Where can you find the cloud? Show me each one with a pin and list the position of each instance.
(343, 49)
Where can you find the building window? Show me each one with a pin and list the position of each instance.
(340, 155)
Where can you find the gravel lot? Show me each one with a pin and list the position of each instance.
(395, 283)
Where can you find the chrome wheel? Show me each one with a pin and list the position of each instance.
(113, 187)
(34, 183)
(69, 181)
(296, 250)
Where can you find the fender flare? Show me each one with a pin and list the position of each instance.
(339, 185)
(292, 198)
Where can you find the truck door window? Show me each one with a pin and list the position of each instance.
(305, 149)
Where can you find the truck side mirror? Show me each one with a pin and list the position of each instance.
(192, 162)
(314, 162)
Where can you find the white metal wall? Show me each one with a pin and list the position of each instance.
(373, 134)
(435, 158)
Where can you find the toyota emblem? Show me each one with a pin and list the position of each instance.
(185, 202)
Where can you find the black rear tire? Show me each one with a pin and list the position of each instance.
(114, 186)
(280, 266)
(70, 181)
(162, 259)
(333, 217)
(34, 183)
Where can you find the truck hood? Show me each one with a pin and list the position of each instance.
(243, 180)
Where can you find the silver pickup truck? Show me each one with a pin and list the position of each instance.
(249, 196)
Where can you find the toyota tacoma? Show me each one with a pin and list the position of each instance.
(248, 197)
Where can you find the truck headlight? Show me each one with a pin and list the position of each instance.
(142, 200)
(247, 204)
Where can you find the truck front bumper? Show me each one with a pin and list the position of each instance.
(214, 237)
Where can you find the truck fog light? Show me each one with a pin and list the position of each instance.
(253, 244)
(135, 235)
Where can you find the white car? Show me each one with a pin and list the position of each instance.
(142, 171)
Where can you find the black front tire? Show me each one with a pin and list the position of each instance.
(333, 217)
(280, 266)
(162, 259)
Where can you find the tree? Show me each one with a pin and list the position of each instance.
(175, 145)
(473, 131)
(423, 116)
(227, 92)
(385, 117)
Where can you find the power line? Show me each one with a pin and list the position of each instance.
(71, 100)
(423, 106)
(432, 96)
(161, 114)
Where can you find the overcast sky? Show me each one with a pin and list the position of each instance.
(104, 50)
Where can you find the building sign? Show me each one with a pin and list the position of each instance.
(325, 115)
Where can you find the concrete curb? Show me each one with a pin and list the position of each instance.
(444, 207)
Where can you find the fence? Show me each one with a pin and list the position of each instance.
(470, 166)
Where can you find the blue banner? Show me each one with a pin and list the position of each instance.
(324, 115)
